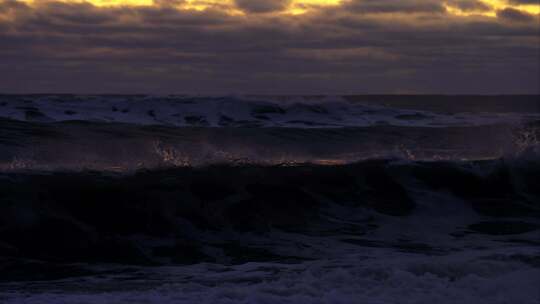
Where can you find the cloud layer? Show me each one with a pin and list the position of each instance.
(267, 46)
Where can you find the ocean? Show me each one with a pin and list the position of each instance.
(269, 199)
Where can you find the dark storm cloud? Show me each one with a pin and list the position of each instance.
(369, 46)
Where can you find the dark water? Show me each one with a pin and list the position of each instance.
(421, 208)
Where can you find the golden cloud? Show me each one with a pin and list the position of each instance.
(300, 6)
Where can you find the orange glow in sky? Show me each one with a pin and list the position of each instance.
(296, 7)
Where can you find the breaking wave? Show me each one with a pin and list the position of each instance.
(92, 215)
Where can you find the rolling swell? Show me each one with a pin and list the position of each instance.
(234, 214)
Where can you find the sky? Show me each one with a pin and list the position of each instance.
(274, 47)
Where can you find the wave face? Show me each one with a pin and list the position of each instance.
(397, 200)
(127, 148)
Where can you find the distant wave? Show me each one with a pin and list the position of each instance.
(238, 111)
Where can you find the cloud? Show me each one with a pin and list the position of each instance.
(515, 15)
(518, 2)
(262, 6)
(367, 46)
(470, 5)
(399, 6)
